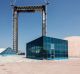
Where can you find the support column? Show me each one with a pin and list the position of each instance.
(15, 31)
(44, 29)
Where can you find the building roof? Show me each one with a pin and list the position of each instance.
(7, 51)
(2, 49)
(73, 38)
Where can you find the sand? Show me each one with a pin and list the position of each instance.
(21, 65)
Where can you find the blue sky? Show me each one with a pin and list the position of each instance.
(63, 21)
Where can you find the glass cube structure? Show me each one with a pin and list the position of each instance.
(47, 48)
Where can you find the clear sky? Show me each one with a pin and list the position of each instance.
(63, 21)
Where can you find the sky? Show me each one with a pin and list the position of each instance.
(63, 20)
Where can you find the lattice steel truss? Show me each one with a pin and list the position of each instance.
(18, 9)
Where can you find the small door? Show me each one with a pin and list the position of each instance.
(52, 54)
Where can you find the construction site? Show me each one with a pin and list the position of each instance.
(43, 47)
(44, 54)
(53, 48)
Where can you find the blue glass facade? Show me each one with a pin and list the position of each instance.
(47, 48)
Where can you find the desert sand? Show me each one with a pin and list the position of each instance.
(21, 65)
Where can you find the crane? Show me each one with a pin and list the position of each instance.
(18, 9)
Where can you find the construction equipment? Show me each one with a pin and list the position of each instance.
(17, 10)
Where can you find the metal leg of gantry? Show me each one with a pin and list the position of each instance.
(44, 28)
(15, 31)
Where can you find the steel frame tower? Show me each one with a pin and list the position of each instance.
(18, 9)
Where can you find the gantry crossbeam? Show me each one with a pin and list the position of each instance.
(29, 8)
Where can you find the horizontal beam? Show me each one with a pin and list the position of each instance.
(29, 8)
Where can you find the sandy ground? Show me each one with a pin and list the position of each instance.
(21, 65)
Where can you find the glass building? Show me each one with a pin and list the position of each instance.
(47, 48)
(7, 51)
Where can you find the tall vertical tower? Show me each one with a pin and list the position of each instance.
(17, 10)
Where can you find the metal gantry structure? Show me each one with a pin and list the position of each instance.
(17, 10)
